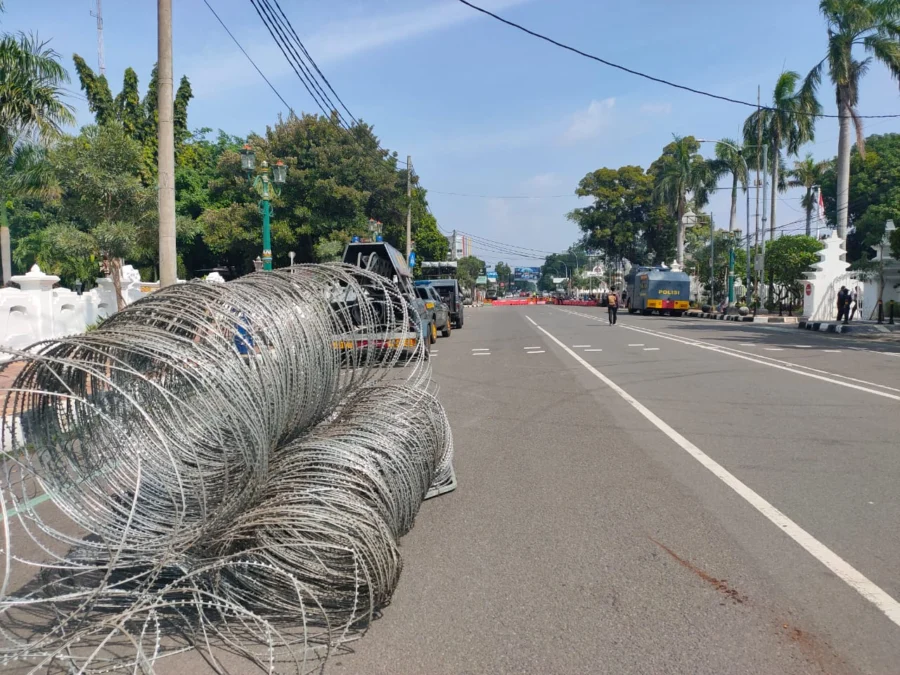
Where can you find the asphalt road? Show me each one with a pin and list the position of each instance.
(663, 496)
(725, 500)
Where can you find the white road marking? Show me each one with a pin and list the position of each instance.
(802, 346)
(748, 344)
(481, 349)
(840, 567)
(593, 350)
(641, 344)
(481, 354)
(538, 352)
(832, 351)
(651, 349)
(806, 371)
(773, 349)
(579, 346)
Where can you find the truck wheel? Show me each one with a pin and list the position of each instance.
(677, 312)
(459, 322)
(445, 332)
(432, 333)
(632, 310)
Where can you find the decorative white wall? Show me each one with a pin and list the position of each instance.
(36, 311)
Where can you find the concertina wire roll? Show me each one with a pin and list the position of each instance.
(212, 469)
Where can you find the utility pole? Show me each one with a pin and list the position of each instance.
(712, 260)
(758, 148)
(168, 270)
(765, 159)
(101, 64)
(409, 206)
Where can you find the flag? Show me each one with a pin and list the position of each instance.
(821, 206)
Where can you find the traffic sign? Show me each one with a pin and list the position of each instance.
(809, 289)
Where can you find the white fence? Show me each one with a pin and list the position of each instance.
(38, 311)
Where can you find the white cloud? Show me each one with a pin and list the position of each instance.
(216, 71)
(656, 108)
(543, 181)
(587, 124)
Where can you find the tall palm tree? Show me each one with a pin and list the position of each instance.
(873, 25)
(808, 173)
(681, 172)
(730, 160)
(786, 125)
(31, 107)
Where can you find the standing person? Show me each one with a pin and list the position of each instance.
(854, 302)
(612, 305)
(841, 298)
(847, 300)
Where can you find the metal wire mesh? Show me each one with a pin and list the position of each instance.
(218, 466)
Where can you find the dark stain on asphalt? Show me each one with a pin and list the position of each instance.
(721, 585)
(817, 651)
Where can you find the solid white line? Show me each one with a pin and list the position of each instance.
(651, 349)
(852, 577)
(780, 365)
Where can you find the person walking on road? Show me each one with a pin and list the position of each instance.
(842, 299)
(612, 305)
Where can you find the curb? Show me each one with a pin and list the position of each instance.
(743, 319)
(834, 327)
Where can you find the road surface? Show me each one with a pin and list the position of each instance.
(665, 496)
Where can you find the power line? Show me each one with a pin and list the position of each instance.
(463, 194)
(309, 86)
(244, 52)
(314, 64)
(638, 73)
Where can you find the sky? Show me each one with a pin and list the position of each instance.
(488, 114)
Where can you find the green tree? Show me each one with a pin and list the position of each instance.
(787, 125)
(730, 161)
(700, 260)
(468, 269)
(808, 173)
(140, 119)
(31, 109)
(98, 173)
(876, 182)
(788, 257)
(504, 274)
(678, 174)
(874, 26)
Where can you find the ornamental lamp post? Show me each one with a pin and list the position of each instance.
(265, 187)
(291, 255)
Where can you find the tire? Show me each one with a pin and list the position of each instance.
(432, 333)
(632, 310)
(677, 312)
(459, 321)
(646, 312)
(445, 332)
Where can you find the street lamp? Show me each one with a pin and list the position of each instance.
(291, 255)
(265, 188)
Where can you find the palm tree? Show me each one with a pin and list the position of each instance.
(808, 173)
(31, 108)
(787, 125)
(730, 160)
(875, 26)
(680, 172)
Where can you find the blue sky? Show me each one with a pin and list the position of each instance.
(484, 109)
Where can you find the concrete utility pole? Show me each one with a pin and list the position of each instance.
(408, 206)
(168, 271)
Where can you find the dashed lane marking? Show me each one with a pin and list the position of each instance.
(481, 354)
(481, 349)
(651, 349)
(537, 352)
(640, 344)
(840, 567)
(580, 346)
(773, 349)
(593, 350)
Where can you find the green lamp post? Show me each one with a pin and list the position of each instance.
(265, 188)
